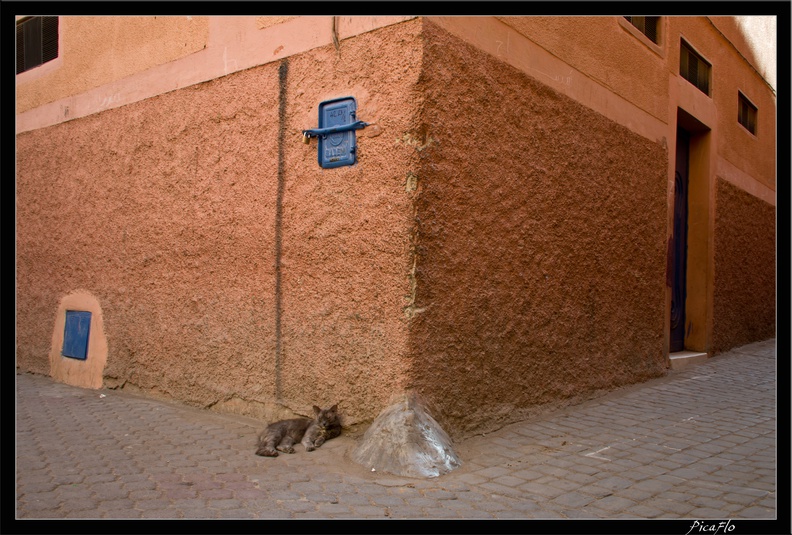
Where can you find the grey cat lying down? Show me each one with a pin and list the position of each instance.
(282, 435)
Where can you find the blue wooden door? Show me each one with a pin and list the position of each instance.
(679, 268)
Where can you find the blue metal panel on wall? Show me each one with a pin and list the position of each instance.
(75, 336)
(337, 150)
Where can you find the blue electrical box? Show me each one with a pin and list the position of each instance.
(75, 336)
(339, 148)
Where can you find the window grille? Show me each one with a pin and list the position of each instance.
(746, 113)
(647, 26)
(694, 68)
(36, 42)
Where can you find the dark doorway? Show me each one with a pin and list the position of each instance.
(679, 266)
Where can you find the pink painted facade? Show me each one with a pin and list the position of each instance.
(502, 242)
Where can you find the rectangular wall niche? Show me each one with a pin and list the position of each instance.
(75, 336)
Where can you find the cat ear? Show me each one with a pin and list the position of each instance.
(316, 409)
(334, 408)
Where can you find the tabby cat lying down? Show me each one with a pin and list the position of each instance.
(282, 435)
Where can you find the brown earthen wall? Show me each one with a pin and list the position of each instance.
(745, 269)
(345, 256)
(165, 210)
(540, 244)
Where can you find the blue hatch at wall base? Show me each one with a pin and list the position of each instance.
(75, 336)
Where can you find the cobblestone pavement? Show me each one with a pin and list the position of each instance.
(699, 443)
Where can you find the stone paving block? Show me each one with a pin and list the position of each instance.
(492, 472)
(541, 490)
(554, 471)
(63, 479)
(739, 498)
(595, 490)
(655, 485)
(110, 491)
(145, 494)
(222, 504)
(509, 481)
(488, 505)
(236, 514)
(471, 514)
(706, 513)
(641, 510)
(194, 512)
(544, 514)
(386, 500)
(502, 490)
(573, 499)
(85, 514)
(708, 502)
(71, 492)
(615, 483)
(613, 503)
(45, 514)
(565, 484)
(138, 483)
(367, 511)
(669, 506)
(472, 479)
(515, 515)
(108, 506)
(40, 501)
(37, 487)
(78, 504)
(768, 486)
(769, 503)
(161, 514)
(438, 494)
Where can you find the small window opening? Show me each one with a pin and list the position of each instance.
(647, 26)
(746, 113)
(36, 42)
(694, 68)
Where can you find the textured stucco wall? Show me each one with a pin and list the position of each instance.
(745, 269)
(165, 211)
(605, 51)
(345, 259)
(755, 155)
(97, 50)
(540, 244)
(756, 37)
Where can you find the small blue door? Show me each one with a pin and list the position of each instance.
(75, 336)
